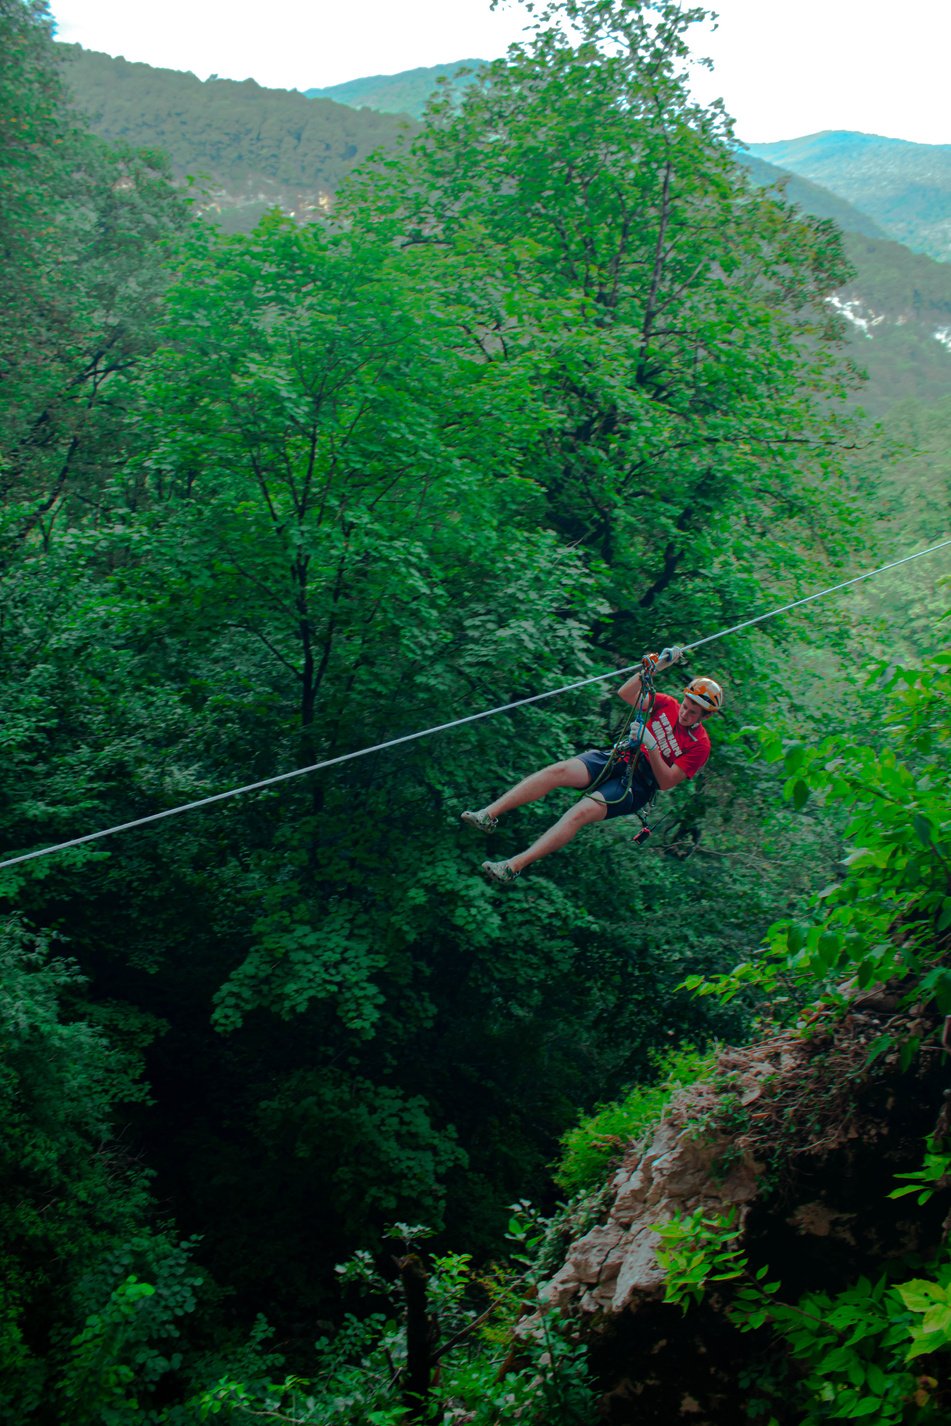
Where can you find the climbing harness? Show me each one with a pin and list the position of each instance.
(627, 747)
(444, 727)
(628, 742)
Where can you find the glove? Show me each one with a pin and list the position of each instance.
(637, 739)
(656, 663)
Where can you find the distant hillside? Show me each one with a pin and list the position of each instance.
(263, 147)
(405, 93)
(811, 197)
(897, 309)
(254, 147)
(904, 187)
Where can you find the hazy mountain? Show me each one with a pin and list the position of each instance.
(811, 197)
(261, 147)
(904, 187)
(405, 93)
(253, 148)
(897, 309)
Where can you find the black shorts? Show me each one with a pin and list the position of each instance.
(621, 803)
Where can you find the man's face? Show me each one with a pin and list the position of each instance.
(690, 714)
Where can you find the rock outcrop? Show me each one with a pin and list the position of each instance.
(798, 1139)
(690, 1162)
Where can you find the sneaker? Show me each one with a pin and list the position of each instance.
(499, 871)
(481, 821)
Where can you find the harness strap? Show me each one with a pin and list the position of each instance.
(639, 716)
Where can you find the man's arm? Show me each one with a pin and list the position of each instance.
(666, 777)
(631, 691)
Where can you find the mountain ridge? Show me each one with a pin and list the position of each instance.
(902, 186)
(263, 147)
(251, 148)
(811, 197)
(406, 92)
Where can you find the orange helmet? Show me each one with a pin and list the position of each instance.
(705, 693)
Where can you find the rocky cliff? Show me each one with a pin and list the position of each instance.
(794, 1143)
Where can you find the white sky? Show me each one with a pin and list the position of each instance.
(783, 69)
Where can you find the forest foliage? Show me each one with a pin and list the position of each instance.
(244, 146)
(533, 402)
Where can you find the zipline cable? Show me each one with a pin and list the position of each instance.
(809, 597)
(444, 727)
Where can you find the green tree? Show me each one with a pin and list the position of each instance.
(590, 222)
(368, 481)
(76, 1211)
(83, 236)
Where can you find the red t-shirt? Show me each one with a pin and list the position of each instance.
(686, 748)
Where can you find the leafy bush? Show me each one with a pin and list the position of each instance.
(889, 917)
(484, 1377)
(846, 1355)
(605, 1134)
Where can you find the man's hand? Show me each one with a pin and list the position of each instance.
(656, 663)
(636, 740)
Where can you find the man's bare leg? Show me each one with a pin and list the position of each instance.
(571, 772)
(589, 809)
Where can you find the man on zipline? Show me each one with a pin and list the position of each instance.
(673, 748)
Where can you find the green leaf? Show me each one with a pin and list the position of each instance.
(796, 934)
(918, 1294)
(877, 1380)
(800, 794)
(828, 949)
(938, 1321)
(855, 1371)
(795, 757)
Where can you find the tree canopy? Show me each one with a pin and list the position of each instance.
(554, 385)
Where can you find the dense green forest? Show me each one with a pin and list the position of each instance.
(245, 147)
(553, 385)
